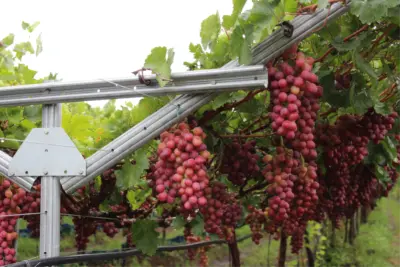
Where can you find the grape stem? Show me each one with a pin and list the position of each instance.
(323, 57)
(243, 193)
(260, 119)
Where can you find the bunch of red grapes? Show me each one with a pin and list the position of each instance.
(181, 167)
(304, 204)
(345, 147)
(279, 173)
(222, 211)
(295, 100)
(256, 219)
(12, 197)
(201, 251)
(240, 161)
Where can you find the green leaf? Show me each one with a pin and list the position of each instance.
(390, 148)
(262, 13)
(220, 100)
(160, 64)
(144, 236)
(29, 27)
(8, 40)
(241, 43)
(360, 96)
(331, 95)
(130, 174)
(179, 222)
(137, 197)
(381, 174)
(22, 48)
(39, 45)
(370, 11)
(363, 65)
(197, 226)
(210, 29)
(350, 45)
(382, 108)
(393, 15)
(229, 21)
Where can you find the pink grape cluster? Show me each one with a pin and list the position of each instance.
(222, 211)
(12, 197)
(278, 172)
(294, 97)
(256, 219)
(109, 229)
(181, 167)
(240, 161)
(348, 180)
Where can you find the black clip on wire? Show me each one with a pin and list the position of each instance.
(288, 28)
(142, 80)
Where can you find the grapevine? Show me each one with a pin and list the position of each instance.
(319, 143)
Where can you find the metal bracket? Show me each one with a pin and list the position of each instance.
(47, 152)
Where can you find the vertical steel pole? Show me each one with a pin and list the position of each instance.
(50, 195)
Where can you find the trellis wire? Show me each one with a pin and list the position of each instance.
(116, 255)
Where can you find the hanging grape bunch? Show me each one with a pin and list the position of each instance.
(240, 161)
(180, 170)
(295, 100)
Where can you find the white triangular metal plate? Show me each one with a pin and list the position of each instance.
(47, 152)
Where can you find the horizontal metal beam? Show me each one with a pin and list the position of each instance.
(24, 182)
(162, 119)
(191, 82)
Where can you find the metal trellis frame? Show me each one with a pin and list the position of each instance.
(201, 87)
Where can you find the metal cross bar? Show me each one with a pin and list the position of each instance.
(24, 182)
(191, 82)
(153, 125)
(50, 196)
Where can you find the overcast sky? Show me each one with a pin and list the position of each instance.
(104, 39)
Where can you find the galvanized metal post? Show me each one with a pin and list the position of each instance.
(50, 195)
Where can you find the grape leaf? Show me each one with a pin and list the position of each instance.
(360, 96)
(331, 95)
(130, 174)
(241, 42)
(144, 236)
(136, 197)
(22, 48)
(228, 21)
(382, 108)
(381, 174)
(390, 148)
(30, 27)
(210, 29)
(371, 10)
(378, 154)
(220, 100)
(363, 65)
(8, 40)
(160, 63)
(393, 15)
(179, 222)
(262, 13)
(197, 226)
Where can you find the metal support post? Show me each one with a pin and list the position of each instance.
(50, 195)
